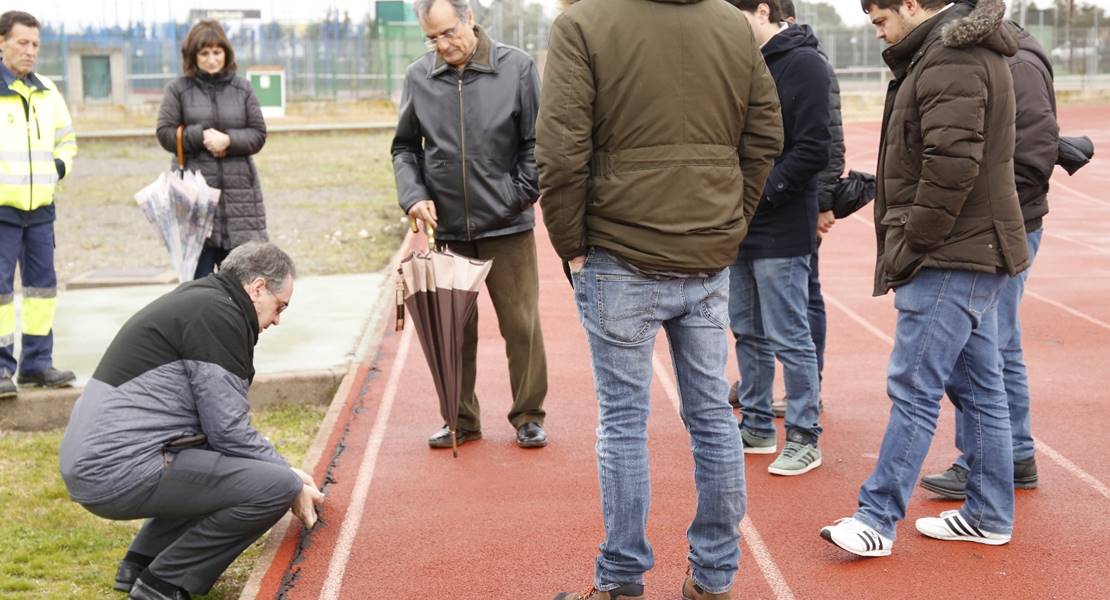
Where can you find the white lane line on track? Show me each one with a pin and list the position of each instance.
(1073, 468)
(351, 521)
(1057, 185)
(1071, 240)
(1056, 457)
(1068, 309)
(748, 532)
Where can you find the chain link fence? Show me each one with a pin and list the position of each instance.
(337, 59)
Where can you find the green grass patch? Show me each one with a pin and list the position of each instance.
(54, 548)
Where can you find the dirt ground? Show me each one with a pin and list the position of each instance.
(330, 203)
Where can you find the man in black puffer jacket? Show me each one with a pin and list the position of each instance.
(162, 431)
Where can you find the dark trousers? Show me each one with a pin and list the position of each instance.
(815, 312)
(204, 510)
(32, 248)
(209, 259)
(513, 285)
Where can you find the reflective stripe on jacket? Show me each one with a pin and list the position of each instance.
(37, 142)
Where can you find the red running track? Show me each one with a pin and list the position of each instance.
(404, 521)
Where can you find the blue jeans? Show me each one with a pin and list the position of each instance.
(815, 313)
(946, 334)
(767, 307)
(622, 313)
(1014, 376)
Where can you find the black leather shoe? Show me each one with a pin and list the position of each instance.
(142, 591)
(734, 394)
(951, 484)
(50, 378)
(442, 438)
(1025, 473)
(531, 435)
(7, 388)
(126, 575)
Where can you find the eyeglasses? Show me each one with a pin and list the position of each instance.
(433, 41)
(282, 304)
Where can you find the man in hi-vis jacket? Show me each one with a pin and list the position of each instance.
(37, 146)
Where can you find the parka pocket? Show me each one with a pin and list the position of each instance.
(899, 260)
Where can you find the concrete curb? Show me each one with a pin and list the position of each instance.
(371, 339)
(42, 410)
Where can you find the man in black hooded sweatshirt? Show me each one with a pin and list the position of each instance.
(769, 288)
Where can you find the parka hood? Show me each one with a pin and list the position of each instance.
(1027, 42)
(794, 36)
(982, 26)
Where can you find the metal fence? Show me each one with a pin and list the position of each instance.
(332, 59)
(338, 59)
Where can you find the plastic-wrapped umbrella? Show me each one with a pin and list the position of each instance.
(440, 290)
(182, 207)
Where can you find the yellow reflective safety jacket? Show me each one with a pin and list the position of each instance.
(37, 140)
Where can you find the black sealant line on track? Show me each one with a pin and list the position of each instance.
(293, 571)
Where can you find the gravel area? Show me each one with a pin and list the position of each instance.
(330, 202)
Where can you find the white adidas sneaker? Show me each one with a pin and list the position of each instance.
(950, 525)
(857, 538)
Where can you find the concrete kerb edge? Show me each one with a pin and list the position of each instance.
(43, 410)
(371, 339)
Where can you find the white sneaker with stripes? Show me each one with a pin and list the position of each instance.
(857, 538)
(951, 525)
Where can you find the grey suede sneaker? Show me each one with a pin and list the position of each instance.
(797, 456)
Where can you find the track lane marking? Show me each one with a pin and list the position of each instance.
(748, 532)
(1071, 311)
(1053, 454)
(341, 553)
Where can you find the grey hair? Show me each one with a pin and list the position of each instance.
(259, 259)
(423, 7)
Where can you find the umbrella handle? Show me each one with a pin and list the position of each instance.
(400, 322)
(181, 146)
(429, 231)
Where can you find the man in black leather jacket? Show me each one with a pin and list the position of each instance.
(463, 159)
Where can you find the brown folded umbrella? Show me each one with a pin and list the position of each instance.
(440, 290)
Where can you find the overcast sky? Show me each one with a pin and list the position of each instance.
(112, 12)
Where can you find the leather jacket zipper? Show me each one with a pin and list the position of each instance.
(462, 130)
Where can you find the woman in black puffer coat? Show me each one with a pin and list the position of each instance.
(223, 129)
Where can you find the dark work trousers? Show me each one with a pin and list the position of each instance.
(32, 248)
(514, 288)
(204, 510)
(209, 259)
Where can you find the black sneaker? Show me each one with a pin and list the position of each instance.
(126, 575)
(951, 484)
(50, 378)
(7, 388)
(145, 591)
(1025, 473)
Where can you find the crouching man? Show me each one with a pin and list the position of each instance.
(163, 432)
